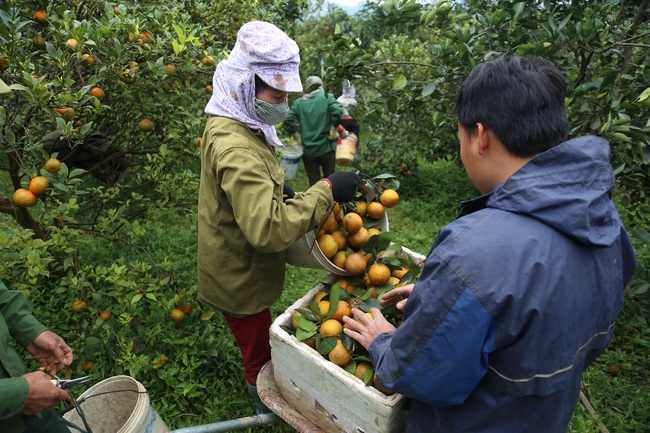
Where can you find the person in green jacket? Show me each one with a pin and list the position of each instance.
(313, 116)
(26, 398)
(244, 225)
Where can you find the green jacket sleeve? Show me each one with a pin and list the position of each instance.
(17, 322)
(13, 396)
(14, 308)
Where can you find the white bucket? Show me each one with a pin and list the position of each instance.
(290, 160)
(306, 253)
(346, 149)
(119, 404)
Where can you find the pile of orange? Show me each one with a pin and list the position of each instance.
(344, 238)
(346, 230)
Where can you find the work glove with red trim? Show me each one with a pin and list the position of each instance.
(343, 184)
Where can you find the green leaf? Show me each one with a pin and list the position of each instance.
(428, 89)
(642, 97)
(305, 324)
(399, 82)
(4, 88)
(303, 334)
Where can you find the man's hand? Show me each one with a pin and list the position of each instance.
(397, 295)
(365, 329)
(43, 394)
(47, 347)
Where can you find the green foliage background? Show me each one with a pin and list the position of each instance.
(129, 247)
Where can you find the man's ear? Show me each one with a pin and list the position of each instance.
(484, 136)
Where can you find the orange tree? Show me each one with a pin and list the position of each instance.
(409, 71)
(114, 92)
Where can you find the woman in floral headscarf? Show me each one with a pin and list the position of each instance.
(244, 225)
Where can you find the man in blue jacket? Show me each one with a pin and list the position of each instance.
(521, 292)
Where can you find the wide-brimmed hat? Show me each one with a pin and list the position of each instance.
(268, 52)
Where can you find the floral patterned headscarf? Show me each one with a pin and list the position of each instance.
(264, 50)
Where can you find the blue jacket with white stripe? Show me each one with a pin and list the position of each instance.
(518, 296)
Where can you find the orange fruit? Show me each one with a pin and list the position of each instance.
(170, 69)
(39, 184)
(106, 315)
(208, 89)
(340, 355)
(40, 16)
(328, 245)
(375, 210)
(128, 76)
(362, 208)
(162, 360)
(168, 87)
(377, 384)
(52, 165)
(87, 59)
(341, 239)
(329, 223)
(208, 61)
(79, 306)
(373, 231)
(71, 44)
(177, 315)
(389, 198)
(399, 273)
(394, 281)
(145, 38)
(145, 125)
(294, 324)
(323, 308)
(352, 222)
(355, 264)
(66, 112)
(336, 210)
(186, 309)
(358, 240)
(349, 288)
(378, 274)
(311, 342)
(200, 142)
(318, 296)
(39, 42)
(361, 368)
(98, 92)
(87, 365)
(342, 310)
(24, 198)
(339, 258)
(4, 63)
(331, 327)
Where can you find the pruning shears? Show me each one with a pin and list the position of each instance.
(67, 383)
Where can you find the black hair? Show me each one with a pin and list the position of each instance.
(260, 84)
(521, 99)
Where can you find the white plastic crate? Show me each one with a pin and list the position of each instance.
(324, 393)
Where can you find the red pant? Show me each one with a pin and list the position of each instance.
(252, 336)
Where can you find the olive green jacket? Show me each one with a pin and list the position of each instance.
(17, 322)
(244, 227)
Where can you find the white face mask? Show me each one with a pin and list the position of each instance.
(271, 113)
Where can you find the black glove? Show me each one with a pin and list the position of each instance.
(287, 192)
(344, 185)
